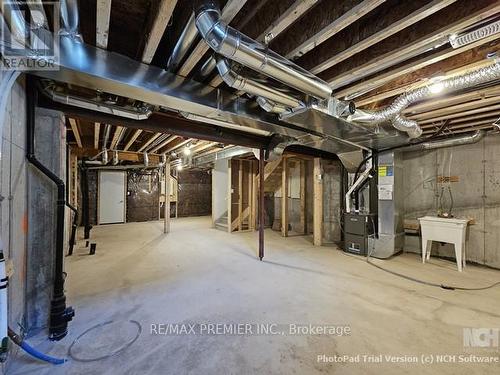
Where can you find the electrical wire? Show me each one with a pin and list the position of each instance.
(119, 350)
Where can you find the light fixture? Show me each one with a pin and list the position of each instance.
(437, 87)
(179, 167)
(187, 151)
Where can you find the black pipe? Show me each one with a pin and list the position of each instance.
(74, 226)
(60, 315)
(261, 203)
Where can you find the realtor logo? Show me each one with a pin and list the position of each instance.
(28, 40)
(481, 337)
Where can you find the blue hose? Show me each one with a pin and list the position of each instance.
(44, 357)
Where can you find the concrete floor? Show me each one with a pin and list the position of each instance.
(198, 274)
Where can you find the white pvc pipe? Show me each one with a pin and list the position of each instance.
(356, 183)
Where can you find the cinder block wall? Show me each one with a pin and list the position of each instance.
(476, 195)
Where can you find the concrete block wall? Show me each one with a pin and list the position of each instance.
(475, 196)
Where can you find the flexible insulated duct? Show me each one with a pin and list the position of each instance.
(456, 141)
(238, 82)
(232, 44)
(393, 111)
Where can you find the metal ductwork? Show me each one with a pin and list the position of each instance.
(393, 111)
(455, 141)
(17, 25)
(186, 40)
(238, 82)
(70, 18)
(207, 68)
(140, 113)
(232, 44)
(270, 106)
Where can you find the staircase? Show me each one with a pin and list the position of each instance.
(221, 222)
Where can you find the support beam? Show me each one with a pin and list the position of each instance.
(412, 41)
(284, 198)
(229, 197)
(119, 131)
(132, 156)
(261, 203)
(301, 38)
(97, 128)
(404, 70)
(159, 25)
(291, 15)
(318, 203)
(165, 143)
(176, 146)
(240, 195)
(251, 202)
(303, 213)
(132, 139)
(102, 23)
(166, 208)
(336, 50)
(229, 11)
(76, 132)
(149, 141)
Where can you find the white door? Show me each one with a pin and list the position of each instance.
(111, 197)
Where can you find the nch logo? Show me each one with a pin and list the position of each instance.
(481, 337)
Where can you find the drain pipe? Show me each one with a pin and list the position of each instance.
(393, 112)
(85, 200)
(229, 42)
(60, 315)
(238, 82)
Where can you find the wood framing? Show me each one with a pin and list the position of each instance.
(284, 198)
(303, 205)
(166, 212)
(318, 203)
(229, 197)
(159, 25)
(76, 132)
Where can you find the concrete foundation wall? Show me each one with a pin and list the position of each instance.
(476, 195)
(13, 199)
(50, 141)
(331, 200)
(27, 202)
